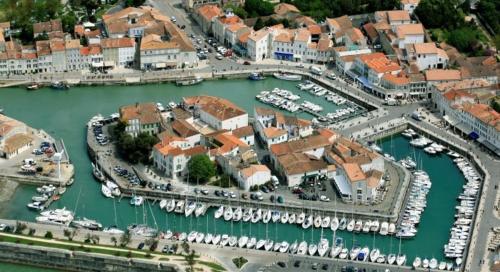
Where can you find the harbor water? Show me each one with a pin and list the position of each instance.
(63, 114)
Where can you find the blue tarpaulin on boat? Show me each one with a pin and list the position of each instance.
(473, 135)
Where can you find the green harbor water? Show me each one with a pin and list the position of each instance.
(64, 114)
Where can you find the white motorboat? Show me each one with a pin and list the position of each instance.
(42, 198)
(199, 237)
(268, 244)
(136, 201)
(284, 218)
(179, 206)
(36, 205)
(350, 225)
(323, 246)
(113, 230)
(401, 259)
(189, 209)
(219, 212)
(182, 237)
(233, 241)
(374, 255)
(433, 263)
(425, 263)
(192, 236)
(216, 240)
(292, 218)
(301, 218)
(312, 249)
(228, 213)
(237, 214)
(284, 247)
(417, 262)
(289, 77)
(170, 205)
(86, 223)
(363, 254)
(334, 225)
(242, 242)
(391, 258)
(266, 217)
(335, 251)
(449, 266)
(256, 216)
(142, 230)
(302, 249)
(325, 223)
(442, 265)
(224, 239)
(375, 225)
(251, 242)
(317, 221)
(208, 238)
(115, 189)
(343, 224)
(163, 204)
(358, 225)
(366, 226)
(200, 209)
(260, 244)
(307, 222)
(353, 254)
(392, 228)
(294, 247)
(384, 228)
(106, 191)
(344, 253)
(247, 214)
(275, 216)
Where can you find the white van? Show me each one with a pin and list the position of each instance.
(29, 161)
(316, 70)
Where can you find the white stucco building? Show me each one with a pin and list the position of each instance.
(218, 113)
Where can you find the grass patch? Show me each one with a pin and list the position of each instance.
(213, 266)
(72, 246)
(240, 262)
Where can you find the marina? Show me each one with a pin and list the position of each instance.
(433, 231)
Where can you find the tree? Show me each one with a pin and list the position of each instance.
(20, 227)
(69, 234)
(31, 231)
(49, 235)
(113, 240)
(201, 168)
(185, 247)
(125, 239)
(190, 260)
(464, 39)
(259, 24)
(134, 3)
(258, 8)
(95, 239)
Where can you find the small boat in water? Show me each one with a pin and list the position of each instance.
(33, 86)
(286, 76)
(106, 191)
(136, 201)
(170, 205)
(256, 76)
(219, 212)
(188, 82)
(85, 223)
(302, 248)
(113, 230)
(59, 85)
(417, 262)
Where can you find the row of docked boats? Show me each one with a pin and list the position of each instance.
(60, 217)
(108, 188)
(187, 207)
(276, 100)
(286, 94)
(322, 248)
(417, 201)
(45, 192)
(465, 210)
(432, 264)
(430, 147)
(304, 220)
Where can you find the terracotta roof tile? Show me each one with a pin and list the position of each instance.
(147, 113)
(243, 131)
(252, 169)
(442, 75)
(117, 43)
(209, 11)
(284, 8)
(220, 108)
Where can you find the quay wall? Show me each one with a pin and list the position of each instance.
(75, 260)
(32, 179)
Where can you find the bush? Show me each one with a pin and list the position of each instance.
(201, 168)
(49, 235)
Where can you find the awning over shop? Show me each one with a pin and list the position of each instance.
(342, 185)
(473, 135)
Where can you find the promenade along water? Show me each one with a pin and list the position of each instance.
(64, 114)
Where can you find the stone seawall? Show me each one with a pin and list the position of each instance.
(77, 261)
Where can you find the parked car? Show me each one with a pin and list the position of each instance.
(204, 191)
(165, 249)
(140, 246)
(246, 62)
(219, 56)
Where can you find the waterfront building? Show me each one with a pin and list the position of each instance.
(359, 171)
(14, 137)
(337, 26)
(118, 52)
(185, 130)
(218, 113)
(426, 56)
(253, 175)
(58, 50)
(259, 44)
(157, 54)
(44, 57)
(91, 57)
(172, 154)
(141, 118)
(73, 57)
(221, 23)
(233, 32)
(459, 104)
(408, 34)
(372, 67)
(273, 127)
(205, 15)
(133, 22)
(344, 58)
(409, 5)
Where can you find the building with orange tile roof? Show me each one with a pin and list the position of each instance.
(118, 52)
(217, 112)
(459, 104)
(339, 24)
(409, 34)
(221, 23)
(274, 127)
(141, 118)
(245, 134)
(374, 66)
(53, 29)
(283, 9)
(253, 175)
(205, 15)
(14, 137)
(172, 155)
(436, 76)
(393, 17)
(426, 56)
(156, 53)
